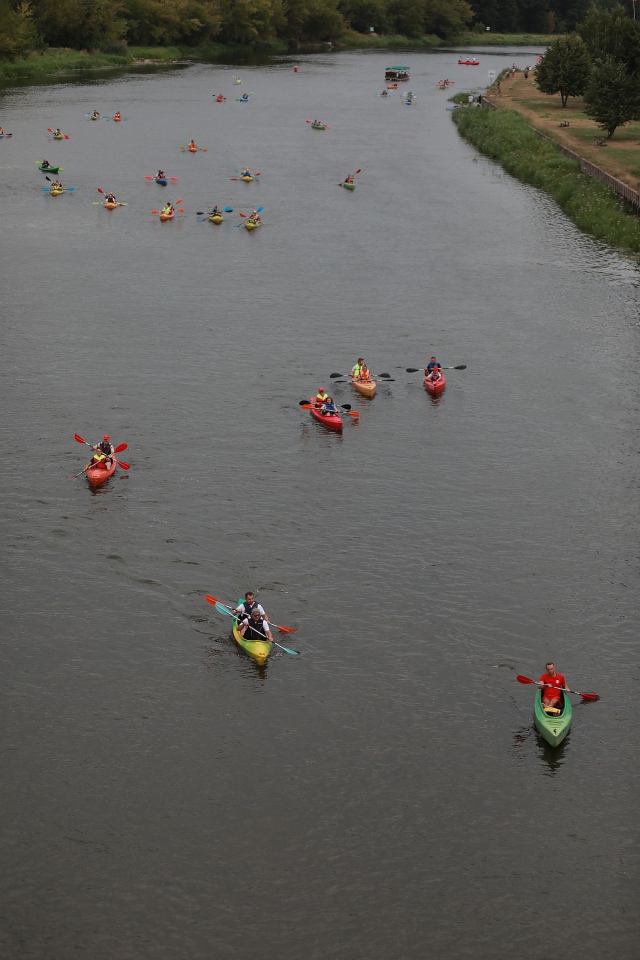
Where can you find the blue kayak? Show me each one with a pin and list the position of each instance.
(162, 181)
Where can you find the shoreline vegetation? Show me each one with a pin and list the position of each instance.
(508, 136)
(55, 62)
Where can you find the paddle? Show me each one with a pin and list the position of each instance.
(175, 179)
(101, 203)
(343, 406)
(66, 137)
(259, 210)
(377, 376)
(245, 175)
(213, 600)
(460, 366)
(118, 449)
(585, 696)
(357, 171)
(199, 213)
(64, 189)
(6, 134)
(185, 146)
(177, 211)
(220, 607)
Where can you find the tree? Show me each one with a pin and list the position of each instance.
(565, 68)
(611, 33)
(612, 97)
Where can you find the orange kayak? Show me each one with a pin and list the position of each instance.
(167, 216)
(98, 474)
(192, 149)
(110, 205)
(366, 387)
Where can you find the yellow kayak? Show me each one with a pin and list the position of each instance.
(217, 218)
(251, 224)
(259, 650)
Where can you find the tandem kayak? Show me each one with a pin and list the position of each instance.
(48, 169)
(469, 63)
(349, 186)
(246, 179)
(258, 650)
(251, 224)
(332, 421)
(434, 387)
(366, 387)
(216, 218)
(318, 126)
(162, 181)
(167, 216)
(553, 726)
(98, 474)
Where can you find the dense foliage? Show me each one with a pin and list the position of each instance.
(613, 95)
(565, 68)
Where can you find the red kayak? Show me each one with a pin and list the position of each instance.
(434, 387)
(99, 473)
(332, 421)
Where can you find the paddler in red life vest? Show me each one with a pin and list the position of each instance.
(321, 397)
(246, 608)
(552, 683)
(255, 627)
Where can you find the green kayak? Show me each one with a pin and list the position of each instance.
(349, 186)
(49, 169)
(552, 726)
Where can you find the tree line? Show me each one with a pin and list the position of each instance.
(600, 61)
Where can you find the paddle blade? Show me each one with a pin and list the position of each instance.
(100, 191)
(522, 679)
(155, 211)
(358, 171)
(306, 406)
(179, 201)
(590, 696)
(461, 366)
(125, 466)
(286, 629)
(149, 178)
(352, 413)
(412, 369)
(121, 447)
(228, 209)
(79, 438)
(384, 374)
(332, 376)
(174, 179)
(346, 406)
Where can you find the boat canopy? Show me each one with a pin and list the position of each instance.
(396, 73)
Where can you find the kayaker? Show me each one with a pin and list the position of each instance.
(57, 132)
(245, 172)
(552, 683)
(193, 144)
(249, 604)
(431, 365)
(255, 217)
(117, 115)
(385, 93)
(255, 627)
(321, 397)
(43, 163)
(160, 175)
(215, 212)
(168, 208)
(349, 178)
(95, 115)
(328, 408)
(356, 368)
(434, 376)
(56, 185)
(104, 451)
(110, 198)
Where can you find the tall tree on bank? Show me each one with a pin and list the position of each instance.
(565, 68)
(612, 96)
(612, 33)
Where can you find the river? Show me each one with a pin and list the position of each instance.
(384, 795)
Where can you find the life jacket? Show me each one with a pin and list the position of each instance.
(255, 630)
(105, 448)
(321, 397)
(355, 373)
(98, 457)
(330, 409)
(248, 607)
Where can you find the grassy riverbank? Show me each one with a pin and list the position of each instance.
(52, 62)
(505, 136)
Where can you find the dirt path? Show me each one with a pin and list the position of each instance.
(620, 157)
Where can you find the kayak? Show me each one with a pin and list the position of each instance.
(332, 421)
(349, 186)
(95, 116)
(552, 726)
(220, 99)
(251, 224)
(192, 149)
(246, 179)
(216, 218)
(98, 474)
(110, 205)
(117, 119)
(58, 136)
(434, 387)
(48, 169)
(469, 63)
(55, 193)
(167, 216)
(162, 181)
(366, 387)
(392, 86)
(259, 650)
(318, 126)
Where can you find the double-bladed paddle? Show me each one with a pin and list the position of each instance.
(222, 608)
(201, 218)
(252, 175)
(343, 406)
(245, 217)
(585, 696)
(374, 376)
(118, 449)
(359, 170)
(460, 366)
(320, 124)
(174, 179)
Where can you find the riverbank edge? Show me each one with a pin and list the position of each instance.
(595, 208)
(40, 65)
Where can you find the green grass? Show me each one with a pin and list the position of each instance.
(505, 39)
(507, 138)
(362, 41)
(40, 65)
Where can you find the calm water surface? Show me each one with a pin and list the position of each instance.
(384, 795)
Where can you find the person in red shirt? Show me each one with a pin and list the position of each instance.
(552, 683)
